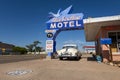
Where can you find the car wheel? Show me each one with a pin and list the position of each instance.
(78, 58)
(61, 58)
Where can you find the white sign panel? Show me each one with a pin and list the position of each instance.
(50, 31)
(49, 45)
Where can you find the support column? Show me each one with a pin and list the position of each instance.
(49, 56)
(51, 46)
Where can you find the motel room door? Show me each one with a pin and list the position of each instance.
(115, 46)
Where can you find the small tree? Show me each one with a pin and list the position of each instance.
(35, 43)
(33, 47)
(30, 47)
(22, 50)
(39, 49)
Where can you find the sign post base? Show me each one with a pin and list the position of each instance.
(48, 58)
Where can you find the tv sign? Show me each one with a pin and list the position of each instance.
(63, 20)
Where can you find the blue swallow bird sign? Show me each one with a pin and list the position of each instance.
(64, 20)
(61, 21)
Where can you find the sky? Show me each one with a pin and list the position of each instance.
(24, 21)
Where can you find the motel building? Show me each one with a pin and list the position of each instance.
(103, 28)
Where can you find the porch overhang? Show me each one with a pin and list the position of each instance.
(92, 25)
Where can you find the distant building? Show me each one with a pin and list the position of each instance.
(5, 48)
(89, 49)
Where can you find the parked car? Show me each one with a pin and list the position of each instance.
(69, 51)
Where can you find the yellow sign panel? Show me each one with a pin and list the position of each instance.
(3, 49)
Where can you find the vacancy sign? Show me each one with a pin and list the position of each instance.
(49, 45)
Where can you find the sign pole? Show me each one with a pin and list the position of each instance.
(49, 48)
(111, 53)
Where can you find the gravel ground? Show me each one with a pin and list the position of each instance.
(43, 69)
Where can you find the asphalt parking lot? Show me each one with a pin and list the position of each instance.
(43, 69)
(16, 58)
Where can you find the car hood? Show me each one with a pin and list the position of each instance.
(61, 51)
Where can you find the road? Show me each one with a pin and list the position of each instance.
(43, 69)
(17, 58)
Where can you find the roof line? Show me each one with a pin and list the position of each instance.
(101, 19)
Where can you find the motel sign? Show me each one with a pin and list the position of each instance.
(62, 21)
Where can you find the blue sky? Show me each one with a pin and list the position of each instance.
(23, 21)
